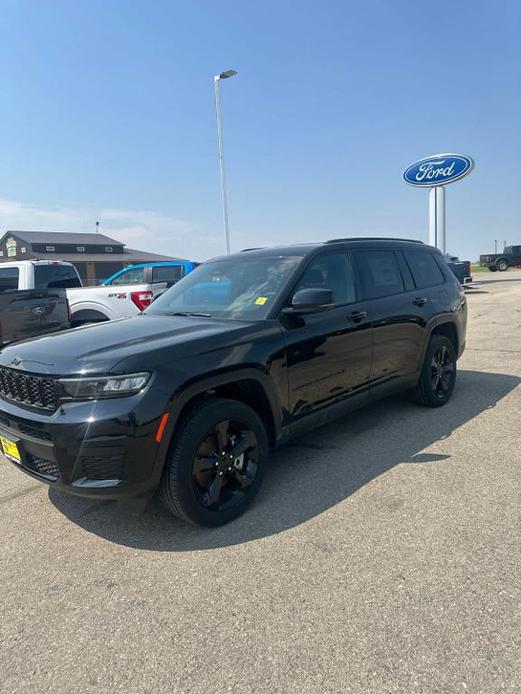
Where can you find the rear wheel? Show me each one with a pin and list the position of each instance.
(216, 465)
(502, 265)
(438, 375)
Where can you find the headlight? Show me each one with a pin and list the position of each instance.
(103, 386)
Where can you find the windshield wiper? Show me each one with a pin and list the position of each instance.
(190, 313)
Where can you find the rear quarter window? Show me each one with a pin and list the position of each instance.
(424, 269)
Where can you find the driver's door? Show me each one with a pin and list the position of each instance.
(328, 353)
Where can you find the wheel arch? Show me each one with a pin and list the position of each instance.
(250, 386)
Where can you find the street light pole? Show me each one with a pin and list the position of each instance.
(217, 85)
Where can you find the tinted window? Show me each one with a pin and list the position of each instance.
(8, 279)
(331, 272)
(136, 276)
(424, 269)
(379, 274)
(167, 274)
(55, 277)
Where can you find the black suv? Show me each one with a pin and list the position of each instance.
(243, 353)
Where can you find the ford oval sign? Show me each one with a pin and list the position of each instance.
(438, 170)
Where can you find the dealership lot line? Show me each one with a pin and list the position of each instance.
(381, 556)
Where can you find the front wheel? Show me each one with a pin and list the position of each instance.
(438, 374)
(216, 465)
(492, 268)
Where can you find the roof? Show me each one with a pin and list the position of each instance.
(304, 249)
(50, 237)
(129, 255)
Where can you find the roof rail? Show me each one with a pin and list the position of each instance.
(257, 248)
(371, 238)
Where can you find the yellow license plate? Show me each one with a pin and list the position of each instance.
(10, 449)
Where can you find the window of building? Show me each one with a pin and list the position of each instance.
(50, 249)
(108, 249)
(80, 249)
(8, 279)
(424, 269)
(23, 249)
(332, 271)
(379, 274)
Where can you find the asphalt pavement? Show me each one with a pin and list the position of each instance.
(382, 555)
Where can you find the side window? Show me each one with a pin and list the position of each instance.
(8, 279)
(379, 274)
(424, 269)
(167, 273)
(332, 271)
(136, 276)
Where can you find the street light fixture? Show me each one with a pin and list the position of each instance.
(217, 84)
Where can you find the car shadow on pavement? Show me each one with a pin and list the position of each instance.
(310, 475)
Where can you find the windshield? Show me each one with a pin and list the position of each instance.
(234, 289)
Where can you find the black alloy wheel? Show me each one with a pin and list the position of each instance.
(225, 465)
(216, 462)
(438, 374)
(442, 372)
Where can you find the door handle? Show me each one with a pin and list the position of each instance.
(357, 316)
(420, 300)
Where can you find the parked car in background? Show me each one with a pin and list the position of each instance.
(511, 257)
(246, 352)
(460, 268)
(29, 313)
(87, 304)
(169, 272)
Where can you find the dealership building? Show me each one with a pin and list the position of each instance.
(95, 256)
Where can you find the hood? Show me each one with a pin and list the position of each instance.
(97, 349)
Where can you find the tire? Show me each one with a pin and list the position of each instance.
(200, 483)
(436, 383)
(502, 265)
(493, 269)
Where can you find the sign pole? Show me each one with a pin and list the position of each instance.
(437, 236)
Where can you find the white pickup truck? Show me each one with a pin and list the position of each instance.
(87, 304)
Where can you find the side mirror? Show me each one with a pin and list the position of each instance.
(310, 301)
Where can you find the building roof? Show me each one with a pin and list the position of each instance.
(50, 237)
(129, 255)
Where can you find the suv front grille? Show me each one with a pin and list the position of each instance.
(33, 391)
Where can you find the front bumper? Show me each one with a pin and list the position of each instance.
(104, 449)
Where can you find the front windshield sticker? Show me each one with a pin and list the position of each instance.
(261, 300)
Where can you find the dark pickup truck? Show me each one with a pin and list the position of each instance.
(460, 268)
(31, 313)
(511, 257)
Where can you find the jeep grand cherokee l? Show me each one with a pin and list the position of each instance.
(242, 354)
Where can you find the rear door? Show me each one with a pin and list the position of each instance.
(398, 321)
(328, 353)
(516, 253)
(167, 273)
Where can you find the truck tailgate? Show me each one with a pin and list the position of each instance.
(33, 312)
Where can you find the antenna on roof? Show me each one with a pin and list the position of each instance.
(97, 227)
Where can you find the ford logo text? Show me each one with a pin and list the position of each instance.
(438, 170)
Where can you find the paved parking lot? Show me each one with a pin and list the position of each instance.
(381, 556)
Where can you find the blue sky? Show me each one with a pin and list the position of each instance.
(107, 113)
